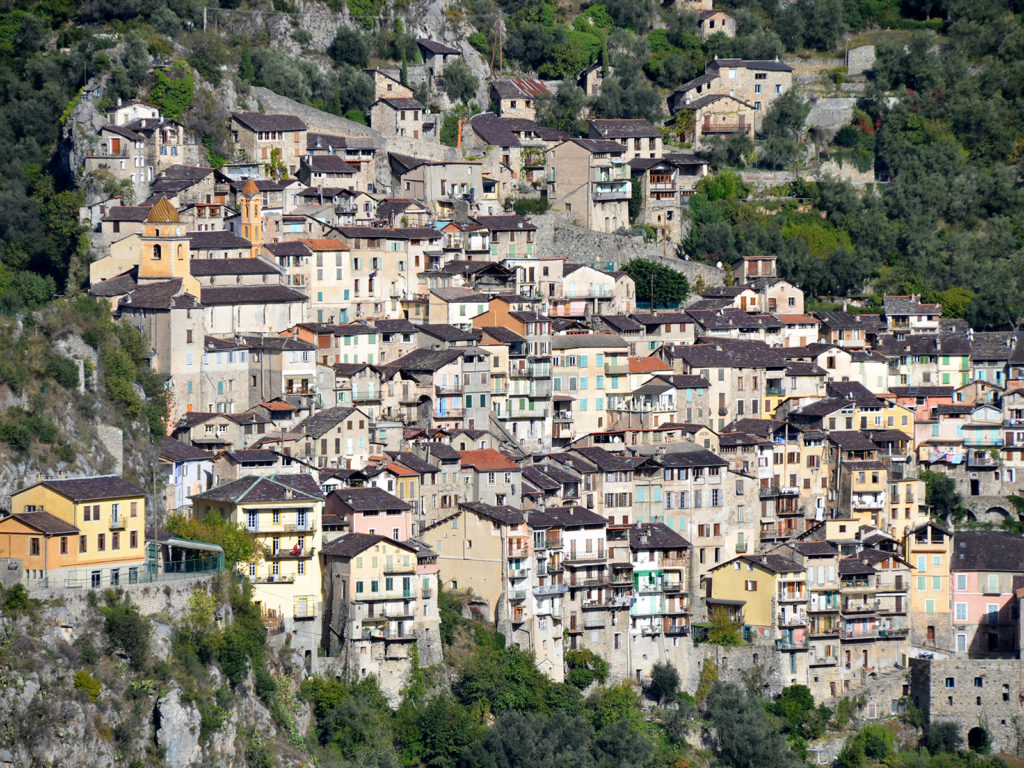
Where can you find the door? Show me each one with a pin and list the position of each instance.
(931, 635)
(115, 146)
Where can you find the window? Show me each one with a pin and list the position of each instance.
(83, 544)
(960, 611)
(951, 682)
(979, 682)
(133, 539)
(929, 606)
(34, 547)
(750, 585)
(63, 545)
(961, 582)
(101, 542)
(115, 541)
(991, 613)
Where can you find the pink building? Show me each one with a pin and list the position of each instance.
(982, 571)
(921, 400)
(369, 510)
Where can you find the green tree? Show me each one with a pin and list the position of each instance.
(562, 109)
(744, 735)
(723, 630)
(941, 495)
(126, 629)
(664, 682)
(174, 90)
(461, 81)
(238, 544)
(350, 47)
(664, 285)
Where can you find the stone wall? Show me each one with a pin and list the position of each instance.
(860, 60)
(735, 665)
(11, 570)
(559, 237)
(973, 693)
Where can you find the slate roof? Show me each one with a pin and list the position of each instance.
(922, 391)
(987, 551)
(773, 563)
(443, 452)
(323, 421)
(908, 305)
(503, 335)
(93, 488)
(369, 498)
(655, 536)
(600, 146)
(176, 451)
(693, 457)
(281, 488)
(329, 164)
(623, 129)
(401, 103)
(249, 294)
(604, 460)
(588, 341)
(255, 121)
(352, 544)
(44, 522)
(433, 46)
(764, 65)
(506, 223)
(412, 461)
(446, 332)
(162, 295)
(851, 566)
(114, 286)
(249, 266)
(566, 517)
(127, 213)
(814, 548)
(730, 353)
(536, 476)
(851, 440)
(505, 131)
(502, 514)
(202, 241)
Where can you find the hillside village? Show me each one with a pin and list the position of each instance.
(375, 368)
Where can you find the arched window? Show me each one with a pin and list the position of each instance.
(181, 251)
(156, 252)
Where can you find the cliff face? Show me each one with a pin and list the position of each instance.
(78, 688)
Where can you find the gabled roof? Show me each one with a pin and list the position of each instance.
(322, 422)
(369, 498)
(987, 551)
(352, 544)
(487, 460)
(250, 490)
(244, 266)
(249, 294)
(255, 121)
(622, 129)
(519, 87)
(688, 456)
(176, 451)
(94, 488)
(329, 164)
(413, 462)
(646, 536)
(432, 46)
(506, 223)
(573, 516)
(202, 241)
(502, 514)
(604, 460)
(44, 522)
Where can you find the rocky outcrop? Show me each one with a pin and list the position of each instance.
(177, 729)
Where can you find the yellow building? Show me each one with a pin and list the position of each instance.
(109, 517)
(284, 514)
(755, 585)
(929, 549)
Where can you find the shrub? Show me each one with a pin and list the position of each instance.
(525, 206)
(664, 681)
(943, 736)
(86, 682)
(62, 370)
(585, 667)
(126, 629)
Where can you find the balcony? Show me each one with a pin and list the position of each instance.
(613, 174)
(365, 396)
(982, 459)
(594, 619)
(724, 126)
(616, 369)
(395, 567)
(677, 629)
(270, 578)
(860, 606)
(787, 644)
(117, 522)
(517, 595)
(296, 553)
(823, 631)
(772, 391)
(584, 558)
(792, 619)
(823, 661)
(774, 491)
(858, 587)
(300, 526)
(448, 389)
(672, 562)
(549, 590)
(553, 542)
(674, 587)
(791, 596)
(519, 573)
(868, 502)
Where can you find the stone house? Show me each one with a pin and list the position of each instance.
(638, 136)
(397, 116)
(517, 97)
(257, 136)
(716, 22)
(590, 179)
